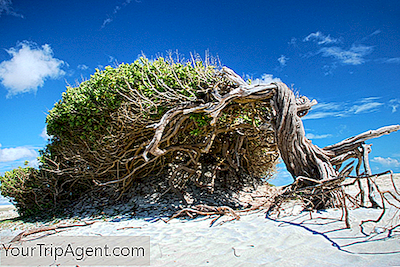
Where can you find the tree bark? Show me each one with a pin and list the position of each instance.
(304, 160)
(301, 157)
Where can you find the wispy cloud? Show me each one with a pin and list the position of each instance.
(265, 79)
(369, 36)
(44, 134)
(114, 13)
(335, 49)
(29, 67)
(312, 136)
(282, 60)
(324, 110)
(105, 22)
(293, 42)
(6, 8)
(364, 105)
(393, 60)
(394, 104)
(16, 153)
(321, 115)
(387, 162)
(353, 56)
(328, 106)
(83, 67)
(375, 33)
(320, 38)
(369, 104)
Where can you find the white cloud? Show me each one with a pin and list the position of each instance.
(353, 56)
(375, 33)
(112, 59)
(316, 136)
(29, 67)
(16, 153)
(329, 68)
(6, 7)
(366, 105)
(369, 99)
(4, 201)
(266, 79)
(105, 22)
(324, 110)
(115, 11)
(372, 34)
(394, 104)
(34, 163)
(282, 60)
(321, 115)
(44, 134)
(293, 42)
(393, 60)
(328, 106)
(320, 38)
(83, 67)
(385, 60)
(388, 162)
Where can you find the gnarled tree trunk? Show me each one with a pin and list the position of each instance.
(305, 160)
(302, 158)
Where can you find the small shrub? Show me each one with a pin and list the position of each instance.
(27, 190)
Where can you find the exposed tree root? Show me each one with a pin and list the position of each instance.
(206, 210)
(327, 194)
(25, 233)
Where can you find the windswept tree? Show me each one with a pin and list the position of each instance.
(190, 121)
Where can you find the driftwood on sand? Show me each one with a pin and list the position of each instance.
(55, 227)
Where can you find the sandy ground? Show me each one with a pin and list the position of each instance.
(308, 239)
(7, 212)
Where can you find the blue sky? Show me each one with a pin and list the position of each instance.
(344, 54)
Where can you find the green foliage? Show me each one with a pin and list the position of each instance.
(102, 128)
(86, 110)
(201, 122)
(26, 190)
(201, 119)
(82, 108)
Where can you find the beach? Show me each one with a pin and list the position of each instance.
(307, 239)
(7, 212)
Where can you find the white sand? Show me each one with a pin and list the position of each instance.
(255, 241)
(8, 212)
(309, 239)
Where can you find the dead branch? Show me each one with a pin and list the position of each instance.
(47, 228)
(351, 143)
(206, 210)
